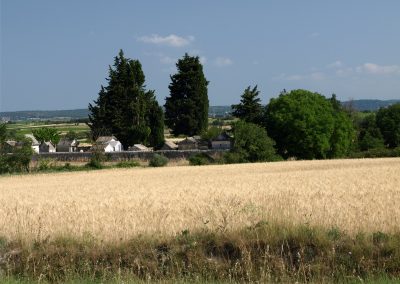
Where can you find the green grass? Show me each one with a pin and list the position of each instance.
(266, 253)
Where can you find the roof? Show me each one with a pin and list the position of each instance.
(105, 139)
(12, 143)
(222, 137)
(85, 145)
(170, 144)
(188, 140)
(67, 142)
(140, 147)
(34, 141)
(48, 143)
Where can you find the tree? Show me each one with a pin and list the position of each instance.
(369, 136)
(186, 109)
(306, 125)
(252, 143)
(249, 109)
(388, 121)
(125, 108)
(45, 134)
(20, 157)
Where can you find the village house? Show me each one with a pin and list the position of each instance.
(67, 145)
(139, 147)
(107, 144)
(189, 143)
(47, 147)
(169, 145)
(221, 142)
(35, 144)
(10, 145)
(83, 147)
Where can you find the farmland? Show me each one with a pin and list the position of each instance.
(355, 195)
(285, 221)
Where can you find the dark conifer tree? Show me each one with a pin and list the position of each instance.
(186, 109)
(249, 109)
(124, 108)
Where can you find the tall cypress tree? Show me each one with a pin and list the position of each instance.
(124, 108)
(186, 109)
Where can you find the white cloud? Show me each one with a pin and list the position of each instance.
(223, 61)
(336, 64)
(170, 40)
(371, 68)
(315, 76)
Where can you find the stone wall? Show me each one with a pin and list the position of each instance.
(126, 155)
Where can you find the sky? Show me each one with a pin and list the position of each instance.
(55, 54)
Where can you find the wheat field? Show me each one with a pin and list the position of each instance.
(118, 204)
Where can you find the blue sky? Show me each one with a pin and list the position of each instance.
(55, 54)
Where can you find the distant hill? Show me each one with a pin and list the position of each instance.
(214, 111)
(370, 105)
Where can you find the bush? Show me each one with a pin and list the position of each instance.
(44, 165)
(96, 160)
(128, 164)
(200, 159)
(158, 161)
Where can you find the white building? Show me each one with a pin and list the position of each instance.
(35, 144)
(107, 144)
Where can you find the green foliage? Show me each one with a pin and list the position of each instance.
(200, 159)
(388, 121)
(71, 135)
(306, 125)
(96, 160)
(125, 108)
(186, 109)
(249, 109)
(128, 164)
(369, 136)
(252, 143)
(46, 134)
(211, 132)
(158, 161)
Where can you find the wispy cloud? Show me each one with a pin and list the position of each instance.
(336, 64)
(223, 61)
(169, 40)
(315, 76)
(371, 68)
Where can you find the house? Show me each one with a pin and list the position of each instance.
(47, 147)
(169, 145)
(67, 145)
(107, 144)
(83, 147)
(35, 144)
(10, 145)
(189, 143)
(221, 142)
(139, 147)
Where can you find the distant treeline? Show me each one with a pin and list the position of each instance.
(214, 111)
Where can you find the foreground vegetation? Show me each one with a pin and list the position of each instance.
(264, 252)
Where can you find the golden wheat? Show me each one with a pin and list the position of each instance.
(121, 203)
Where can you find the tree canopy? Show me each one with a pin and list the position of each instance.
(388, 121)
(46, 134)
(125, 108)
(186, 109)
(249, 109)
(252, 143)
(306, 125)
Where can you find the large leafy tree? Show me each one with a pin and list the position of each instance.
(369, 136)
(186, 109)
(45, 134)
(252, 143)
(125, 108)
(249, 109)
(388, 121)
(306, 125)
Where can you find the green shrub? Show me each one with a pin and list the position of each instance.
(96, 160)
(128, 164)
(44, 164)
(200, 159)
(158, 161)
